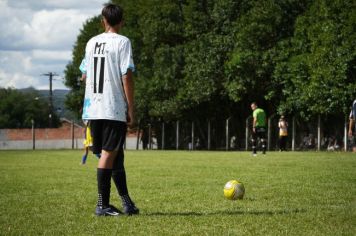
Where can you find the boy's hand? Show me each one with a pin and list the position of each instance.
(130, 119)
(83, 78)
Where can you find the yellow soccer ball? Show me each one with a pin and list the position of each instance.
(234, 190)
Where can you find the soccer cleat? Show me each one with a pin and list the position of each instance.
(115, 209)
(108, 211)
(254, 154)
(129, 206)
(131, 209)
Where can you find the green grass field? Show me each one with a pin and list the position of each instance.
(181, 193)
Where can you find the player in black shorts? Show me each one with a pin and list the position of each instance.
(258, 128)
(108, 105)
(110, 135)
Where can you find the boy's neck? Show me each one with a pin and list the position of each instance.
(110, 29)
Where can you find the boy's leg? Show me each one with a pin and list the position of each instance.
(119, 173)
(262, 135)
(264, 145)
(101, 138)
(254, 143)
(284, 143)
(84, 158)
(119, 177)
(104, 172)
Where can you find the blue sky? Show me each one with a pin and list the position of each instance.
(37, 37)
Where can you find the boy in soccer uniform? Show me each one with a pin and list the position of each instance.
(108, 105)
(258, 128)
(352, 125)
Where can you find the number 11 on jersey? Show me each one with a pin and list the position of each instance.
(99, 61)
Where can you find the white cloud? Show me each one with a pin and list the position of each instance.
(29, 66)
(37, 36)
(20, 80)
(53, 29)
(54, 4)
(14, 61)
(52, 55)
(44, 29)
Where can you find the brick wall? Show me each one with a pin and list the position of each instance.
(56, 138)
(63, 132)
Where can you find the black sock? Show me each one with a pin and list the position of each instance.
(104, 184)
(264, 146)
(126, 200)
(254, 146)
(119, 177)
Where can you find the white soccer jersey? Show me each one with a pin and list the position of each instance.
(108, 56)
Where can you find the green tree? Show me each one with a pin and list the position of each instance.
(252, 61)
(197, 58)
(18, 109)
(317, 65)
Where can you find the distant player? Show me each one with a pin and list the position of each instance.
(108, 105)
(283, 133)
(88, 143)
(352, 126)
(259, 126)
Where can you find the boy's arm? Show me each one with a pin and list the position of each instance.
(129, 92)
(83, 78)
(83, 69)
(254, 124)
(351, 125)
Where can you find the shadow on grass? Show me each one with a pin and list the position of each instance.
(238, 212)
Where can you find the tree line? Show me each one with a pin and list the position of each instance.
(24, 108)
(199, 59)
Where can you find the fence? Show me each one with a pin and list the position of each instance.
(318, 133)
(233, 133)
(68, 136)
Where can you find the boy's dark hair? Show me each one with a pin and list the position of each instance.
(112, 13)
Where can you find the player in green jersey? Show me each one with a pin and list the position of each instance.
(259, 128)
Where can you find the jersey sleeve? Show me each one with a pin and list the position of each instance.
(254, 114)
(126, 58)
(83, 66)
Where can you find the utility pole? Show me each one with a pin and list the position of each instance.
(50, 75)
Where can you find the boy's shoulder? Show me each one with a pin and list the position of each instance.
(109, 36)
(94, 38)
(120, 39)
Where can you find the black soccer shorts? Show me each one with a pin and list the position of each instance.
(108, 135)
(260, 133)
